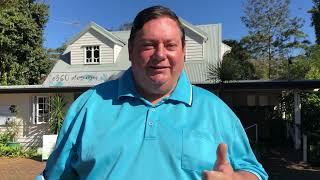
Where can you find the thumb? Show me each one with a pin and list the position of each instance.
(222, 157)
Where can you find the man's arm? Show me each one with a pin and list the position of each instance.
(59, 163)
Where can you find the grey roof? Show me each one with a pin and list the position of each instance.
(99, 29)
(41, 89)
(194, 28)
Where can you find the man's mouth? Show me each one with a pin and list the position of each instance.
(159, 67)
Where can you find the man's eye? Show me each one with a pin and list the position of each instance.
(171, 46)
(147, 46)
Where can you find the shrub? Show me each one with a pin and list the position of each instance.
(4, 138)
(15, 151)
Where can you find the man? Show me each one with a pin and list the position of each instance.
(151, 123)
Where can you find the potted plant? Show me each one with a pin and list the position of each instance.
(13, 127)
(57, 113)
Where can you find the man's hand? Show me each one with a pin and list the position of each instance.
(223, 170)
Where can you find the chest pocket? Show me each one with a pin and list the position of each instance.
(198, 150)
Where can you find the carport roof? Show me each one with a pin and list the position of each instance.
(265, 85)
(40, 89)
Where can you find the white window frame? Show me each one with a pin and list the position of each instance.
(92, 54)
(36, 113)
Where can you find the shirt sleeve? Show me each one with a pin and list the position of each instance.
(59, 164)
(242, 156)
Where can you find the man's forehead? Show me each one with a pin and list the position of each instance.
(164, 24)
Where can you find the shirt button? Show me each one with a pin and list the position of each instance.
(153, 109)
(150, 123)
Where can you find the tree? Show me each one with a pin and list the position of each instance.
(315, 17)
(54, 54)
(313, 55)
(23, 60)
(235, 65)
(273, 35)
(237, 62)
(125, 26)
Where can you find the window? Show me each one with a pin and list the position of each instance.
(92, 54)
(5, 114)
(251, 100)
(41, 111)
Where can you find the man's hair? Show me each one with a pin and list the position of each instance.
(151, 13)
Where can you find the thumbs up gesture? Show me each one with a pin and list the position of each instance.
(222, 169)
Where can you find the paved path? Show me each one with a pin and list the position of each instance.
(19, 168)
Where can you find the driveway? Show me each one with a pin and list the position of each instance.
(20, 168)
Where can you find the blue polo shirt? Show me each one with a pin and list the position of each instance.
(111, 132)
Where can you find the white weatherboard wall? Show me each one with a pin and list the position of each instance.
(30, 133)
(92, 38)
(194, 47)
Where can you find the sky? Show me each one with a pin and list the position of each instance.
(69, 17)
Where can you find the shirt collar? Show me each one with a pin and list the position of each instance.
(183, 90)
(181, 93)
(126, 85)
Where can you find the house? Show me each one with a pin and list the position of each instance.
(93, 56)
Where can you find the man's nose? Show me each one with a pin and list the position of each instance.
(159, 53)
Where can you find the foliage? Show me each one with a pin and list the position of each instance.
(4, 138)
(23, 60)
(17, 151)
(313, 55)
(11, 151)
(310, 111)
(237, 62)
(295, 69)
(315, 13)
(301, 67)
(261, 68)
(125, 26)
(12, 129)
(235, 65)
(219, 72)
(54, 54)
(261, 72)
(57, 113)
(12, 125)
(313, 73)
(273, 35)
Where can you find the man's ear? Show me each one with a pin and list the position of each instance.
(184, 53)
(129, 50)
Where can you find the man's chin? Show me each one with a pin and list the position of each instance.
(162, 87)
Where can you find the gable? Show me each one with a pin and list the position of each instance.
(95, 41)
(92, 38)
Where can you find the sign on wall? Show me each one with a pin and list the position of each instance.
(80, 78)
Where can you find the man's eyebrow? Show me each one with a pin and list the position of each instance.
(148, 40)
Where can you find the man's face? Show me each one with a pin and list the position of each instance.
(157, 57)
